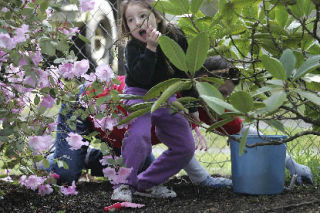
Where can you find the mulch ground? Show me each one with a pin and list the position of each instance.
(94, 196)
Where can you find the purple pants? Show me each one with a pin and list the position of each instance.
(173, 130)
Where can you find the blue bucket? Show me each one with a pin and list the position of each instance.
(259, 170)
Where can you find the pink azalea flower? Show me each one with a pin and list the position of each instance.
(122, 176)
(110, 173)
(6, 41)
(4, 9)
(71, 31)
(37, 57)
(40, 143)
(29, 81)
(75, 141)
(65, 70)
(90, 78)
(22, 180)
(21, 34)
(47, 101)
(45, 189)
(105, 123)
(80, 67)
(104, 160)
(86, 5)
(33, 182)
(104, 73)
(71, 190)
(51, 127)
(43, 80)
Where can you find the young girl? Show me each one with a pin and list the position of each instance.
(147, 66)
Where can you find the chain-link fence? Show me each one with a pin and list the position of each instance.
(99, 26)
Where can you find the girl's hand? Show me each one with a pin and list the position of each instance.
(152, 38)
(200, 140)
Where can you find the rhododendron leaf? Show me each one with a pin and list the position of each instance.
(46, 163)
(44, 5)
(84, 39)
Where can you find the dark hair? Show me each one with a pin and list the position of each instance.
(124, 29)
(216, 66)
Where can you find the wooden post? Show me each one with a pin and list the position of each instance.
(121, 68)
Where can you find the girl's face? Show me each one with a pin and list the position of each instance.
(138, 20)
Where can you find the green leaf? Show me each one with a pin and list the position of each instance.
(220, 123)
(277, 125)
(195, 5)
(15, 57)
(242, 101)
(310, 96)
(156, 90)
(45, 163)
(172, 89)
(257, 105)
(169, 7)
(134, 115)
(101, 100)
(311, 63)
(217, 105)
(44, 4)
(274, 67)
(183, 4)
(84, 39)
(275, 100)
(243, 141)
(197, 52)
(138, 106)
(288, 60)
(297, 9)
(209, 94)
(47, 47)
(174, 52)
(262, 90)
(36, 100)
(281, 15)
(62, 46)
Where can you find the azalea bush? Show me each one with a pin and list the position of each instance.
(38, 73)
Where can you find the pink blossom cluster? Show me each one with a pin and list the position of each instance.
(69, 70)
(117, 177)
(8, 42)
(106, 123)
(44, 184)
(86, 5)
(40, 144)
(72, 31)
(69, 190)
(104, 73)
(75, 141)
(34, 182)
(105, 160)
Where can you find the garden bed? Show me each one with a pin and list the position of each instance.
(94, 196)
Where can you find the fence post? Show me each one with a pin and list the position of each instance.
(121, 69)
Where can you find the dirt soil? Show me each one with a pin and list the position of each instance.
(94, 196)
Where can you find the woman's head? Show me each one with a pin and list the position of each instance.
(137, 16)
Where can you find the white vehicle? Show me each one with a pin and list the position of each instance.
(99, 27)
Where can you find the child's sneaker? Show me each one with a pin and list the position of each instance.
(122, 193)
(219, 182)
(159, 191)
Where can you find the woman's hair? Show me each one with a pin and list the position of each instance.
(124, 29)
